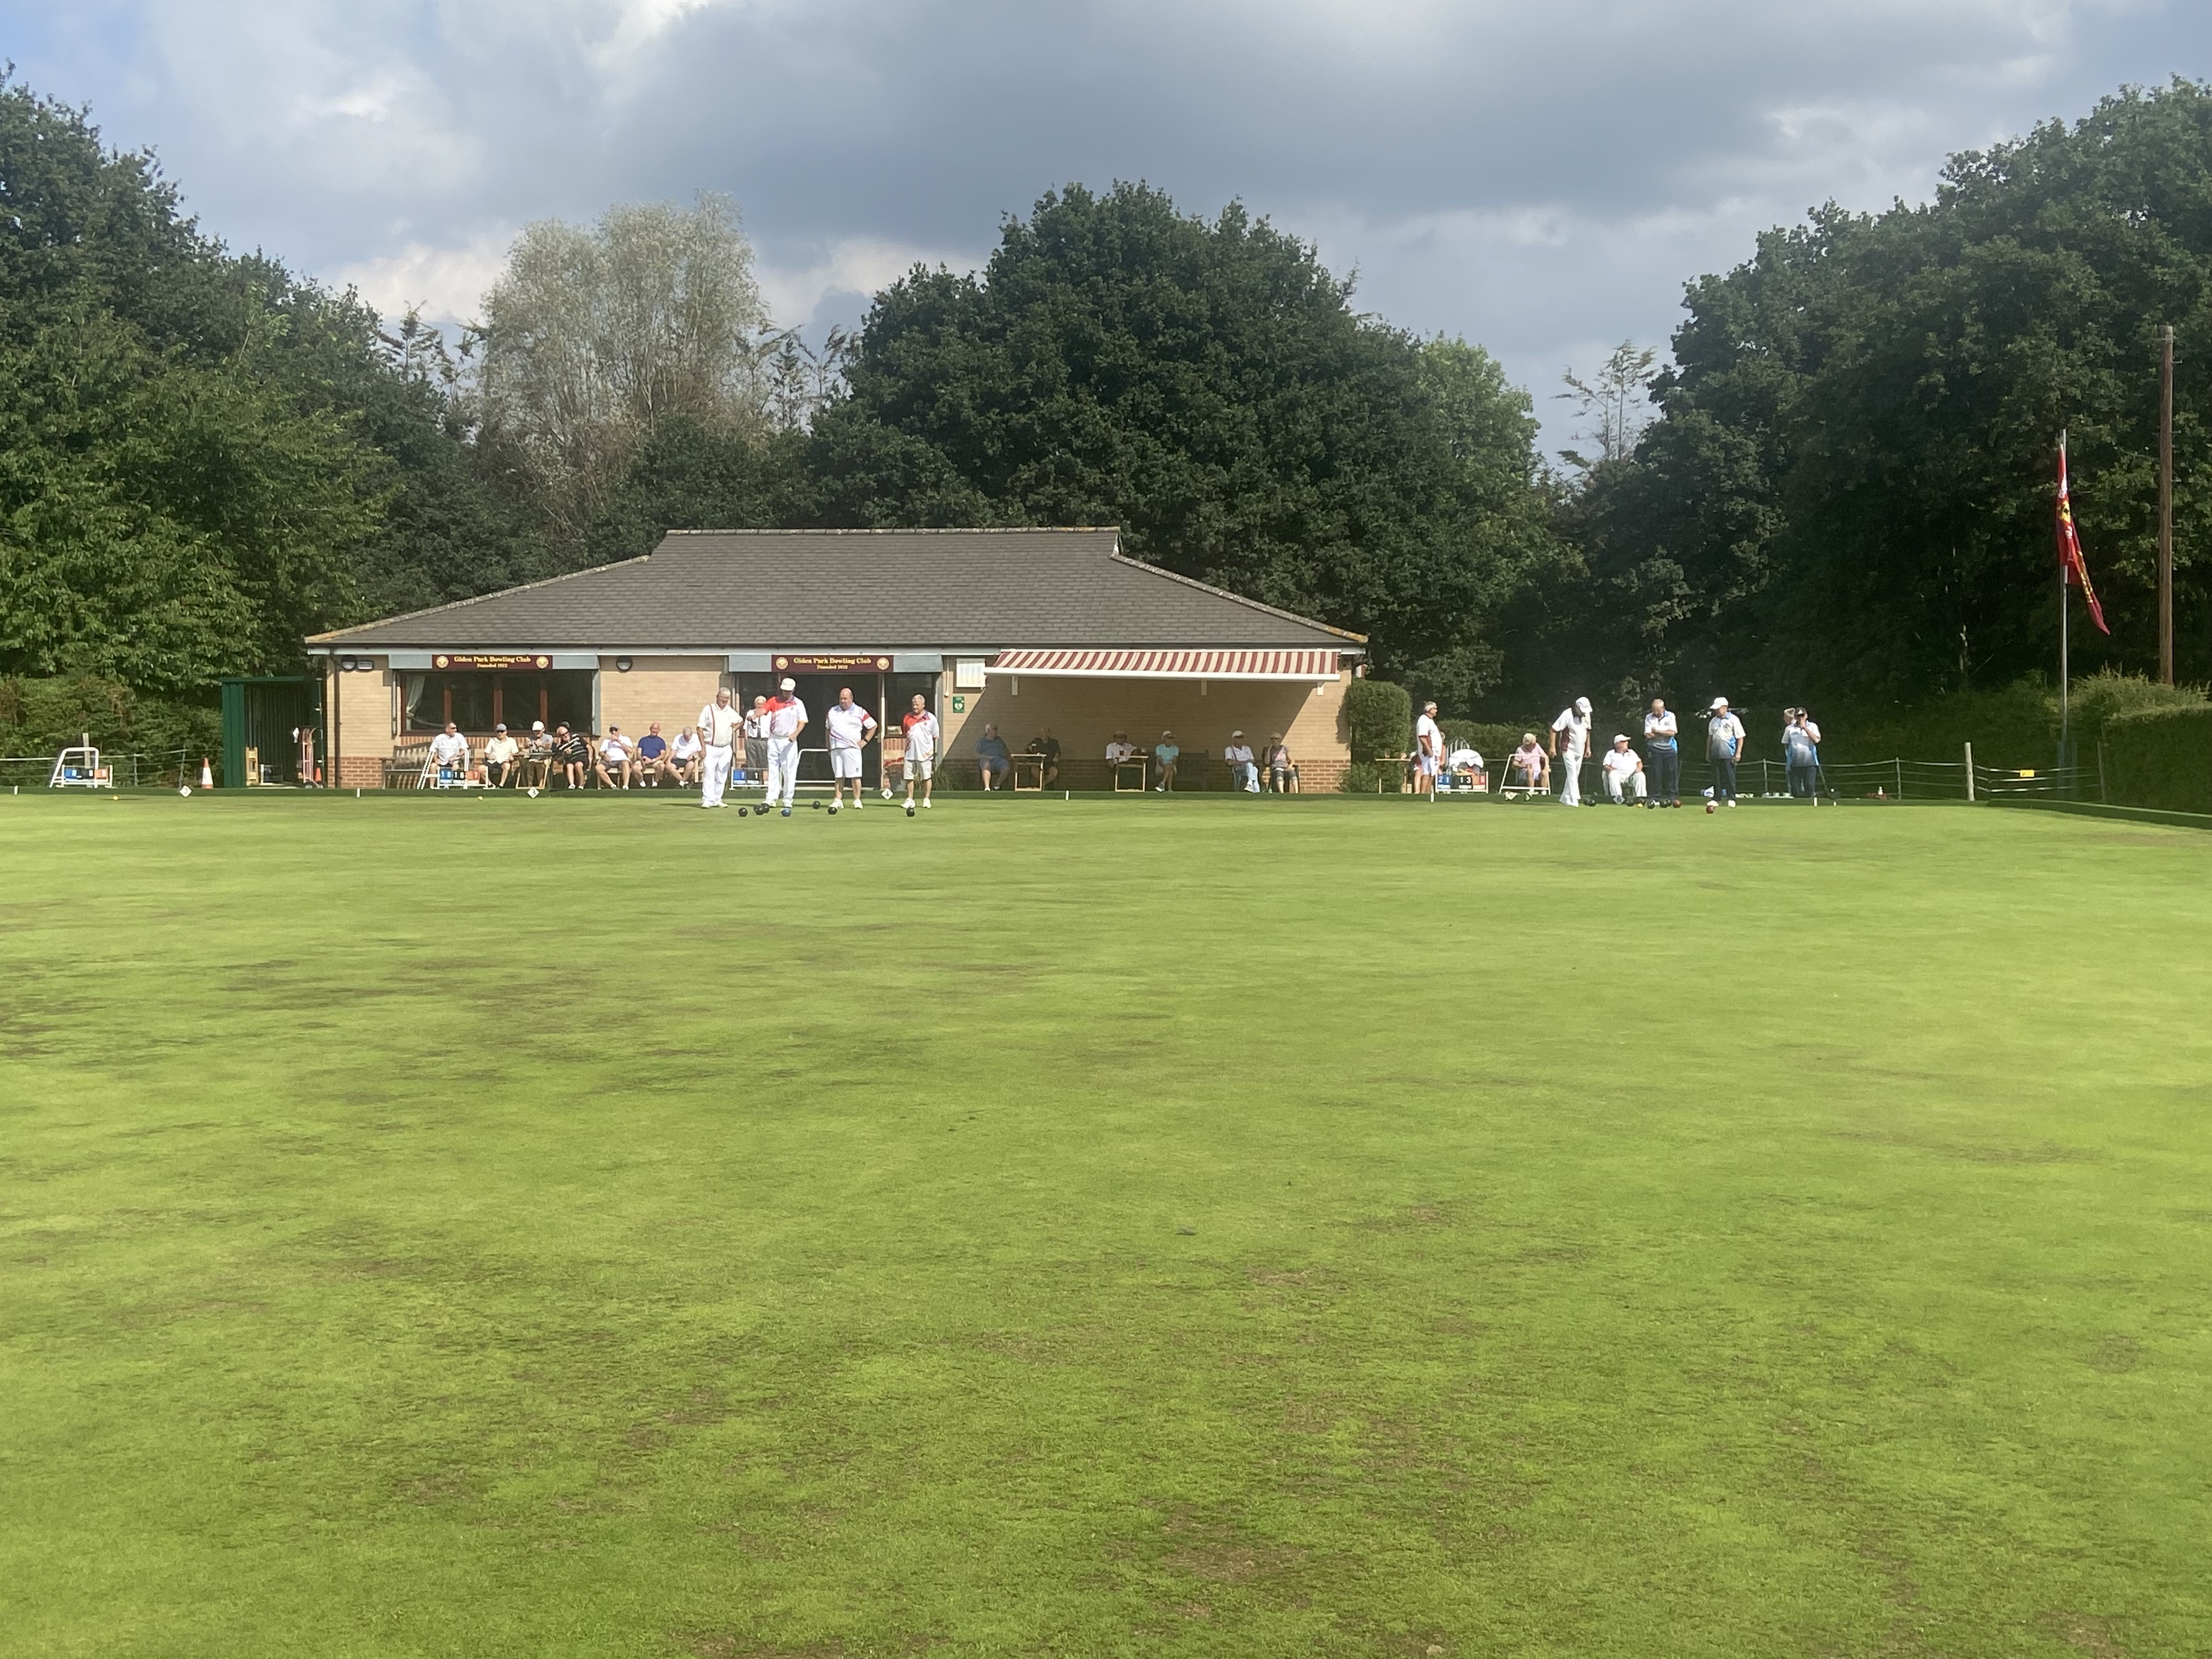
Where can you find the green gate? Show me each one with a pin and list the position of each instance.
(264, 716)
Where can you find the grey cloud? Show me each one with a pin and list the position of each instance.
(1543, 178)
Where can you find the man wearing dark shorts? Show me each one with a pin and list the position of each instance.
(1048, 746)
(571, 753)
(992, 759)
(755, 731)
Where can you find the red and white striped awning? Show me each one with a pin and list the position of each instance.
(1300, 665)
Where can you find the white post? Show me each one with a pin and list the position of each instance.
(1970, 774)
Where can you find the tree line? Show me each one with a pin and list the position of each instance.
(1839, 487)
(1847, 488)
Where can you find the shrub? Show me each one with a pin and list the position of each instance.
(2102, 698)
(2016, 725)
(1381, 718)
(39, 716)
(1489, 739)
(1365, 778)
(2160, 755)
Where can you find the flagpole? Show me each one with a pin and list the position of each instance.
(2165, 508)
(2064, 686)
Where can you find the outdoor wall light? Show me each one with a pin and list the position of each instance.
(622, 664)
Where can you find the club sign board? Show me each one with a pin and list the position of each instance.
(846, 662)
(480, 659)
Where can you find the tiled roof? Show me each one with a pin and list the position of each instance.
(833, 589)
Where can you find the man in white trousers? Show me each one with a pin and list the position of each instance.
(1623, 773)
(1570, 735)
(787, 719)
(851, 726)
(718, 732)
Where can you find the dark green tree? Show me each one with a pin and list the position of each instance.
(697, 474)
(1849, 490)
(203, 458)
(1208, 386)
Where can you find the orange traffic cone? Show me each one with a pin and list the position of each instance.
(207, 774)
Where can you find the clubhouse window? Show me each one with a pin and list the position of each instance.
(477, 702)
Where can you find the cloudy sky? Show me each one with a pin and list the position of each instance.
(1539, 175)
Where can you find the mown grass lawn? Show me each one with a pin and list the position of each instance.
(1218, 1226)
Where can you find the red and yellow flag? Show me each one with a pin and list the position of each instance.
(2074, 568)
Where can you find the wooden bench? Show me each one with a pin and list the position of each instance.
(403, 770)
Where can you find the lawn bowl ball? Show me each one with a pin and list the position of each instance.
(743, 811)
(1712, 806)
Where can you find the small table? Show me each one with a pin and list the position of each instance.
(1136, 763)
(1015, 775)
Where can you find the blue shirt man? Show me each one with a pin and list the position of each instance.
(991, 760)
(1166, 752)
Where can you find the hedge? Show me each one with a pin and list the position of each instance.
(2161, 757)
(2012, 725)
(37, 716)
(1381, 718)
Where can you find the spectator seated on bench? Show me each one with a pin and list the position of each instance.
(614, 765)
(501, 759)
(1244, 768)
(993, 759)
(1166, 753)
(572, 756)
(681, 767)
(652, 757)
(449, 758)
(537, 757)
(1048, 746)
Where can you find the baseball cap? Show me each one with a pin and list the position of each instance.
(502, 726)
(538, 726)
(1720, 703)
(787, 686)
(1620, 737)
(1582, 705)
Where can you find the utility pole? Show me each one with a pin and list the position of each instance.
(2166, 510)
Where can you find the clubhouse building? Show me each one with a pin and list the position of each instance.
(1038, 631)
